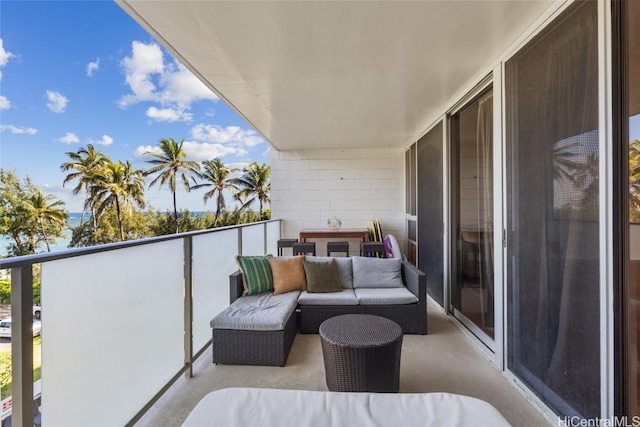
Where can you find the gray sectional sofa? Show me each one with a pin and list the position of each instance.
(259, 329)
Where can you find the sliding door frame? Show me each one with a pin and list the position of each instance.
(495, 346)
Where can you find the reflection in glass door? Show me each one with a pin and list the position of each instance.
(472, 287)
(633, 284)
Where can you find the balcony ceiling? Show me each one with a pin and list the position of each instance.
(337, 74)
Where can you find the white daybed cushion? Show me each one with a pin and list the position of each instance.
(302, 408)
(262, 312)
(385, 296)
(344, 297)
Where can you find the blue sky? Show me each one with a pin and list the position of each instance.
(83, 72)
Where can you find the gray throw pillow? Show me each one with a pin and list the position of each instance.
(377, 272)
(322, 276)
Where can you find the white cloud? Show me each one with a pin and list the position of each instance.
(92, 67)
(18, 131)
(56, 101)
(69, 138)
(5, 56)
(105, 140)
(227, 135)
(5, 104)
(150, 79)
(141, 152)
(179, 85)
(194, 151)
(169, 114)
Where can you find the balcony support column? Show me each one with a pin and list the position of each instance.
(22, 345)
(188, 306)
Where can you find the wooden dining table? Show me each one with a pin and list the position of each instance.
(327, 233)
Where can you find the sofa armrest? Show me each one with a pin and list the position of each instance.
(416, 281)
(236, 286)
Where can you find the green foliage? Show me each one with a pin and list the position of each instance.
(634, 181)
(163, 223)
(5, 292)
(27, 216)
(134, 224)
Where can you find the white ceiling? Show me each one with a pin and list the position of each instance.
(337, 74)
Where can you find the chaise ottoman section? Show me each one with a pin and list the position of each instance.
(255, 330)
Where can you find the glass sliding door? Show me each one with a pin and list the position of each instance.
(430, 220)
(552, 143)
(472, 278)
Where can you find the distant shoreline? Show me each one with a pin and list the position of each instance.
(62, 243)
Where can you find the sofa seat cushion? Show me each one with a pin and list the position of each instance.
(263, 312)
(344, 297)
(384, 296)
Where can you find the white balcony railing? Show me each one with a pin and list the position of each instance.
(121, 322)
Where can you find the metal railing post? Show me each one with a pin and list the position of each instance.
(265, 237)
(188, 306)
(22, 345)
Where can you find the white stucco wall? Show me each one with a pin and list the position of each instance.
(357, 185)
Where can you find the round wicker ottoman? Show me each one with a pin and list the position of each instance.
(361, 353)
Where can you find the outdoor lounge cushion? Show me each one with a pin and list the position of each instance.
(344, 297)
(384, 296)
(231, 407)
(377, 272)
(264, 312)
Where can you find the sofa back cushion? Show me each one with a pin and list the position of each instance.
(256, 273)
(344, 267)
(377, 272)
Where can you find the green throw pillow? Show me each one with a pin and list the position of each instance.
(322, 276)
(256, 273)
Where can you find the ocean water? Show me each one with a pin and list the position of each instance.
(57, 245)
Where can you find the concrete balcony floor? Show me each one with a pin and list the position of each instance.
(445, 360)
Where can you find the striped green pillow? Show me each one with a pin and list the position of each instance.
(256, 273)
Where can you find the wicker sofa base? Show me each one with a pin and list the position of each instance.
(312, 316)
(244, 347)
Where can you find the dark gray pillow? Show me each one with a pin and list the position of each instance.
(322, 276)
(344, 267)
(377, 272)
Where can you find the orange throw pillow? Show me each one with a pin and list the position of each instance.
(288, 274)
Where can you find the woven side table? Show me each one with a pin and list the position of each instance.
(361, 353)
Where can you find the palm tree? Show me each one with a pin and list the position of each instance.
(117, 186)
(86, 162)
(217, 176)
(168, 164)
(41, 209)
(254, 185)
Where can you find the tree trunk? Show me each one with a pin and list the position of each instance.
(175, 211)
(218, 209)
(119, 220)
(44, 234)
